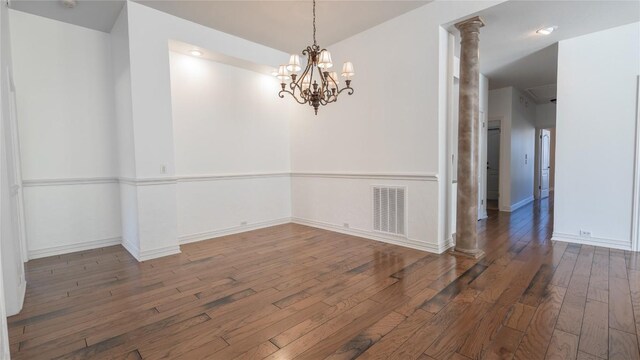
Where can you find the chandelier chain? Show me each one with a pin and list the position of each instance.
(314, 23)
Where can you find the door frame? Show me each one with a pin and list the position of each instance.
(538, 163)
(14, 152)
(635, 209)
(502, 160)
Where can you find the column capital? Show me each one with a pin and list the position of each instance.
(470, 25)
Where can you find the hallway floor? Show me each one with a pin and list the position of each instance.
(293, 291)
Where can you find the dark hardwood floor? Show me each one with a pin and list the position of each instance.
(292, 291)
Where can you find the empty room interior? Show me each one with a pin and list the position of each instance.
(319, 179)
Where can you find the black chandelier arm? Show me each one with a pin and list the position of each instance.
(349, 92)
(281, 95)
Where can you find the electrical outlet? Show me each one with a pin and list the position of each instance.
(243, 223)
(585, 233)
(346, 225)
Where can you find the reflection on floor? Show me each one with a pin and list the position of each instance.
(297, 292)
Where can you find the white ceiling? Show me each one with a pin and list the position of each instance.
(94, 14)
(280, 24)
(286, 25)
(511, 53)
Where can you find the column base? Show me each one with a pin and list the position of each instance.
(474, 254)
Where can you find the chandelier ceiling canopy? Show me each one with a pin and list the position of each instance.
(316, 85)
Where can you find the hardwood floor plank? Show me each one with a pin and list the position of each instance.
(594, 336)
(520, 316)
(384, 348)
(623, 345)
(563, 346)
(620, 307)
(536, 339)
(504, 345)
(292, 291)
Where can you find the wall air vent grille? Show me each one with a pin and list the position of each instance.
(389, 209)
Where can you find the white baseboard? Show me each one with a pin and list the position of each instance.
(131, 248)
(160, 252)
(518, 205)
(594, 241)
(65, 249)
(395, 240)
(22, 291)
(185, 239)
(145, 255)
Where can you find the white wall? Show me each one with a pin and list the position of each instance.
(523, 141)
(13, 285)
(517, 113)
(67, 130)
(231, 148)
(546, 115)
(500, 103)
(123, 109)
(340, 153)
(129, 82)
(596, 123)
(150, 189)
(545, 119)
(482, 145)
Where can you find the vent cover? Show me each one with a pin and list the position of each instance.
(543, 94)
(389, 209)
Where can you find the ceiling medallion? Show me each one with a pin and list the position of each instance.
(316, 85)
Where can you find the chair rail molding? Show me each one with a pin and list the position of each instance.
(219, 177)
(366, 175)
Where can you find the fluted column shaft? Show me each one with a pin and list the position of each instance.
(468, 127)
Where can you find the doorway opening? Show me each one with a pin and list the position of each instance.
(493, 164)
(546, 163)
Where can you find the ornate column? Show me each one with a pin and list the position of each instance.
(468, 121)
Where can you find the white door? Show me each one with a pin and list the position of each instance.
(482, 171)
(545, 165)
(493, 164)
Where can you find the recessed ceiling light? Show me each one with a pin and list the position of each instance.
(546, 30)
(196, 52)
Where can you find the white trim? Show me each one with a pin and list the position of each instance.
(377, 176)
(148, 181)
(395, 240)
(159, 252)
(635, 209)
(131, 248)
(207, 235)
(69, 181)
(149, 254)
(518, 205)
(594, 241)
(65, 249)
(22, 291)
(217, 177)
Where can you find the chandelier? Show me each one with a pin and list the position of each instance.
(316, 85)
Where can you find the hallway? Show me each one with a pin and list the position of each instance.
(293, 291)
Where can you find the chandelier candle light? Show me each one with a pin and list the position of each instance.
(316, 85)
